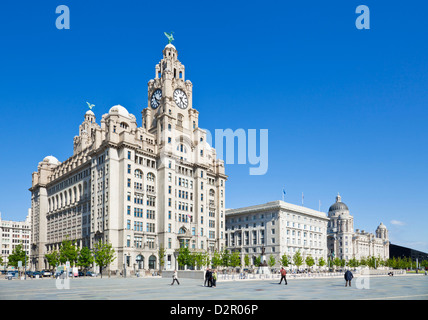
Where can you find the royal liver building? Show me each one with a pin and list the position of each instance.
(138, 188)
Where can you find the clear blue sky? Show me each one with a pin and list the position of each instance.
(346, 109)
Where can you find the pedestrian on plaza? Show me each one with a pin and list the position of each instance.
(207, 277)
(175, 278)
(210, 278)
(214, 278)
(283, 274)
(348, 277)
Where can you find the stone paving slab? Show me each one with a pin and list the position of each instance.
(409, 287)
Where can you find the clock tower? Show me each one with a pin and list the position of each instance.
(169, 96)
(191, 180)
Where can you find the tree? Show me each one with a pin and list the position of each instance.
(247, 260)
(216, 260)
(18, 254)
(225, 258)
(309, 261)
(52, 258)
(68, 252)
(85, 258)
(161, 253)
(184, 258)
(297, 259)
(271, 261)
(199, 259)
(285, 260)
(257, 261)
(235, 259)
(353, 263)
(321, 262)
(336, 262)
(104, 254)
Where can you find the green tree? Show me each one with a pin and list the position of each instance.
(216, 260)
(200, 259)
(104, 254)
(321, 262)
(184, 257)
(353, 263)
(297, 259)
(247, 260)
(161, 253)
(225, 258)
(285, 260)
(271, 261)
(85, 258)
(257, 261)
(309, 261)
(18, 254)
(336, 262)
(235, 259)
(68, 252)
(52, 258)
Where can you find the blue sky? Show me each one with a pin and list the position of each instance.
(346, 109)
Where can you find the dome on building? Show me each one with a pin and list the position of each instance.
(339, 205)
(381, 226)
(51, 160)
(170, 45)
(119, 110)
(89, 112)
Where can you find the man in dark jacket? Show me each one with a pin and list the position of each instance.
(207, 277)
(348, 277)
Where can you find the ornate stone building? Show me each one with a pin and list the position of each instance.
(139, 188)
(279, 227)
(346, 244)
(12, 234)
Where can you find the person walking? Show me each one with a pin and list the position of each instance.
(348, 277)
(175, 278)
(283, 274)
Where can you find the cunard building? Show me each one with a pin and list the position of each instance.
(139, 188)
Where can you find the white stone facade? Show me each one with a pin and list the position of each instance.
(280, 227)
(346, 244)
(13, 233)
(139, 188)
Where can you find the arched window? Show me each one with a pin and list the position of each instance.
(152, 262)
(212, 193)
(182, 148)
(138, 174)
(150, 177)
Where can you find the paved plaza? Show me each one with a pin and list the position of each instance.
(405, 287)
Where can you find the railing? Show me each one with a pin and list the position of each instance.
(304, 275)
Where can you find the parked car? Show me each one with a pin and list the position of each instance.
(46, 273)
(11, 274)
(36, 273)
(90, 274)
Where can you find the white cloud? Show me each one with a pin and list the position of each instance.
(397, 223)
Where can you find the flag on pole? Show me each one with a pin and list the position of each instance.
(303, 197)
(283, 193)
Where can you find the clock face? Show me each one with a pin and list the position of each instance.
(156, 98)
(180, 98)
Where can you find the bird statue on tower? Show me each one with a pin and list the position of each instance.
(90, 105)
(169, 36)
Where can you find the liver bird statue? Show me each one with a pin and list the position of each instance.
(169, 36)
